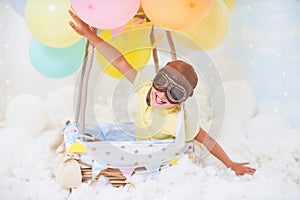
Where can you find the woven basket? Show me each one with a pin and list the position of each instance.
(115, 176)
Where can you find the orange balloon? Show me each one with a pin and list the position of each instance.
(210, 32)
(176, 15)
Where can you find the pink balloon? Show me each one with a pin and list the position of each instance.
(106, 14)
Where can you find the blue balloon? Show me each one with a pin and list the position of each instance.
(56, 62)
(18, 6)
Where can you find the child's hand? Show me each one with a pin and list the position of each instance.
(241, 169)
(80, 27)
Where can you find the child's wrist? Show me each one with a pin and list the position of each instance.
(229, 164)
(88, 34)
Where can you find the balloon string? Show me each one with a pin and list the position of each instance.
(172, 46)
(154, 51)
(78, 102)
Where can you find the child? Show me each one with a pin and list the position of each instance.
(161, 99)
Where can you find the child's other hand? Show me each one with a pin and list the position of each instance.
(80, 27)
(241, 169)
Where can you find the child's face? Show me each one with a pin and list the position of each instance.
(159, 99)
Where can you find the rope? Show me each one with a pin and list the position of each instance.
(154, 51)
(85, 89)
(172, 46)
(78, 102)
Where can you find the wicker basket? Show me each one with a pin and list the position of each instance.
(115, 176)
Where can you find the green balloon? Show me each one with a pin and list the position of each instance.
(56, 62)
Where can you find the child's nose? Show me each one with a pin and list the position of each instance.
(162, 94)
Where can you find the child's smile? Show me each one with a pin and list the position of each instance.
(159, 99)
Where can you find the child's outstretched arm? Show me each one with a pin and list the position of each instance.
(113, 55)
(218, 152)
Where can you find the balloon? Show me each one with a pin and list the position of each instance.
(240, 101)
(28, 112)
(176, 15)
(231, 129)
(230, 4)
(56, 62)
(106, 14)
(48, 22)
(134, 43)
(19, 6)
(267, 124)
(209, 32)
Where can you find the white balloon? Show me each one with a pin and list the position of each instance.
(60, 104)
(232, 133)
(240, 101)
(27, 112)
(267, 125)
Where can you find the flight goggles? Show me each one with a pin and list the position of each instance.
(172, 86)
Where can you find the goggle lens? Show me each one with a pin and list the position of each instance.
(176, 93)
(159, 80)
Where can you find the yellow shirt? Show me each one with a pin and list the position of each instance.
(155, 123)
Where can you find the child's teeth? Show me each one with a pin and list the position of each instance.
(159, 99)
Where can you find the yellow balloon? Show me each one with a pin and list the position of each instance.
(230, 4)
(134, 43)
(176, 15)
(48, 22)
(209, 32)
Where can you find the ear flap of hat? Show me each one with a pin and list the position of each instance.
(148, 97)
